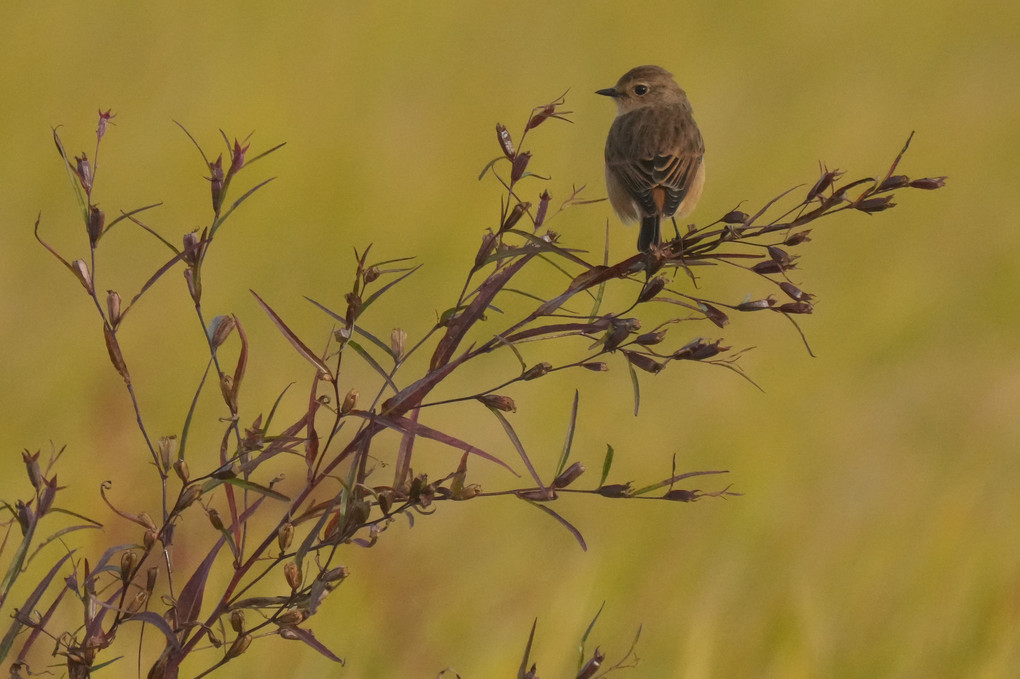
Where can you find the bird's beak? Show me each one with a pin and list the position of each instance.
(609, 92)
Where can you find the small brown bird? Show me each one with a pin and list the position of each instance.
(654, 151)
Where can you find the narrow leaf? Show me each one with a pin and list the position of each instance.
(607, 464)
(516, 441)
(302, 349)
(570, 435)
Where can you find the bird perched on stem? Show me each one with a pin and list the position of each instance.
(654, 152)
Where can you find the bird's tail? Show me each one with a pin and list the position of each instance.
(649, 233)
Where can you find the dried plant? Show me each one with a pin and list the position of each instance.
(280, 577)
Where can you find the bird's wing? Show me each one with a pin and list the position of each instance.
(656, 164)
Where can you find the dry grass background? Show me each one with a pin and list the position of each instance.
(877, 534)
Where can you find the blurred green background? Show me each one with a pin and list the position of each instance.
(877, 534)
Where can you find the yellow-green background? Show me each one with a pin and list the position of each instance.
(877, 531)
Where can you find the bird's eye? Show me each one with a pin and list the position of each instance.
(641, 90)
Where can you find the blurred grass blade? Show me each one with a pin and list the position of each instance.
(29, 605)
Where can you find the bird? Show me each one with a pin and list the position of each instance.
(654, 152)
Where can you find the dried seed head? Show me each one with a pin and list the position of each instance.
(214, 518)
(756, 304)
(291, 617)
(543, 208)
(615, 490)
(536, 371)
(505, 142)
(794, 292)
(520, 164)
(652, 287)
(515, 216)
(713, 314)
(166, 448)
(181, 467)
(372, 274)
(149, 539)
(145, 520)
(872, 205)
(35, 475)
(797, 238)
(113, 307)
(734, 217)
(237, 158)
(239, 646)
(596, 366)
(350, 402)
(823, 183)
(680, 495)
(768, 267)
(285, 535)
(650, 338)
(335, 574)
(97, 220)
(568, 475)
(219, 330)
(485, 249)
(137, 602)
(398, 340)
(81, 271)
(128, 564)
(504, 403)
(187, 498)
(699, 350)
(104, 120)
(293, 575)
(216, 178)
(929, 183)
(150, 578)
(795, 308)
(642, 362)
(896, 181)
(84, 171)
(237, 620)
